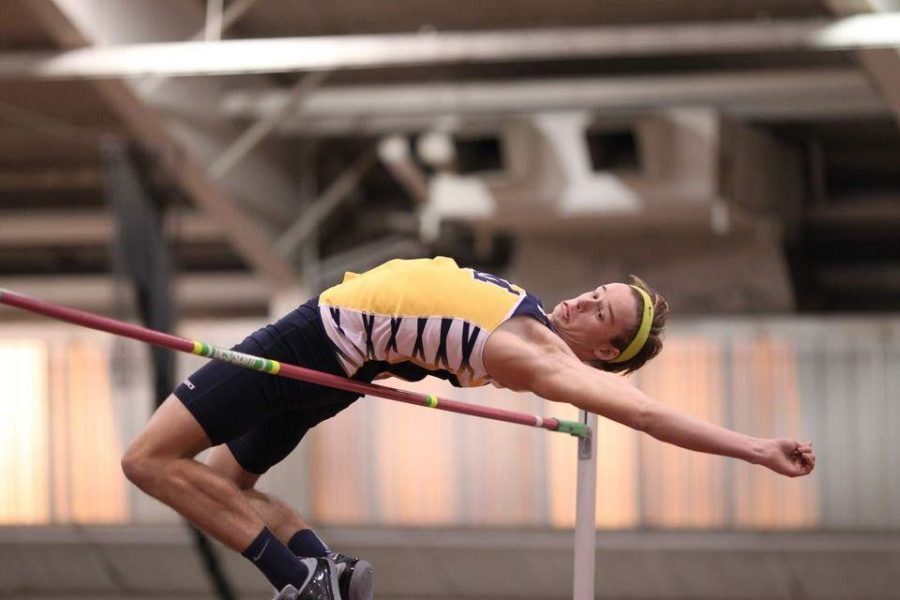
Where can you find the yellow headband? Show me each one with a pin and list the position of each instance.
(643, 331)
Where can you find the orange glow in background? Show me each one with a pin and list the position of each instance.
(24, 493)
(59, 465)
(381, 462)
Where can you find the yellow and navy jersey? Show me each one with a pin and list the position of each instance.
(414, 318)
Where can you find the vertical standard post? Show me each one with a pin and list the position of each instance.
(586, 510)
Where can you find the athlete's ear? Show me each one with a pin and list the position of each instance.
(606, 352)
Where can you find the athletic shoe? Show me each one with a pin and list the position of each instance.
(322, 584)
(356, 581)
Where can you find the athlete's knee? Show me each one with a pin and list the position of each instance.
(171, 434)
(143, 466)
(160, 476)
(140, 467)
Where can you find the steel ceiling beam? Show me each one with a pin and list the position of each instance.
(329, 201)
(233, 12)
(769, 92)
(882, 64)
(258, 131)
(68, 178)
(198, 291)
(183, 156)
(91, 227)
(396, 50)
(260, 187)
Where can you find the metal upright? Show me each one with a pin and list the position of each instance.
(586, 510)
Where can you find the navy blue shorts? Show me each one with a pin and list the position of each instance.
(263, 417)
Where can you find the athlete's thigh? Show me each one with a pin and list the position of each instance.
(172, 432)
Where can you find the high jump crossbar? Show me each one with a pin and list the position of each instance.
(587, 443)
(273, 367)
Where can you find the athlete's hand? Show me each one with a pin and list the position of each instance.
(788, 457)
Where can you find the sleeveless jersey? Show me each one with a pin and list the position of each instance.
(414, 318)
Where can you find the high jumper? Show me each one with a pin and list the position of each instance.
(411, 319)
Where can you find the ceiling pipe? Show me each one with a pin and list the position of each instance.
(805, 88)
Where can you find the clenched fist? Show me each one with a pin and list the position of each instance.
(789, 457)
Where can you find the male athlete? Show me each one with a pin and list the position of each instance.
(410, 318)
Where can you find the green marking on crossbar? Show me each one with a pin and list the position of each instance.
(575, 428)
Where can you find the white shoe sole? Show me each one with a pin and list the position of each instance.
(362, 582)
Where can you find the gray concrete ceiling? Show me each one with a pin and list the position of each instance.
(837, 107)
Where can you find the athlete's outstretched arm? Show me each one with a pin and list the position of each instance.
(525, 356)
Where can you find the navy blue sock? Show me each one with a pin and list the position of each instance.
(275, 561)
(306, 543)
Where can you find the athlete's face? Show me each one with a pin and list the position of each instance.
(590, 322)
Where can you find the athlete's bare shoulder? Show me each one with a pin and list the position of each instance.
(520, 348)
